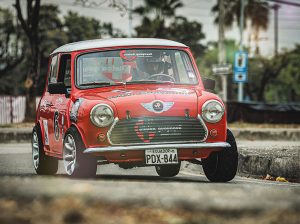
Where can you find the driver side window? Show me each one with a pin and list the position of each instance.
(53, 69)
(64, 73)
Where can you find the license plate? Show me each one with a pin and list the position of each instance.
(161, 156)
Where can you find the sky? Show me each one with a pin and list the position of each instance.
(198, 10)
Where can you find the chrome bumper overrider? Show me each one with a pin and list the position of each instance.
(158, 146)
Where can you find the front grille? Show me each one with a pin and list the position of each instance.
(151, 130)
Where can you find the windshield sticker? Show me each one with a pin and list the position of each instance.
(191, 75)
(130, 55)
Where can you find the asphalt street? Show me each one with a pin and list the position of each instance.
(190, 189)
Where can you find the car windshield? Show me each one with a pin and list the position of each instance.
(135, 66)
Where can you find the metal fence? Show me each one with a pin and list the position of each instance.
(12, 109)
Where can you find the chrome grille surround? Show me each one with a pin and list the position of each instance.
(117, 121)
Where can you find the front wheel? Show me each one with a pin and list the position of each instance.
(43, 164)
(222, 166)
(168, 170)
(76, 163)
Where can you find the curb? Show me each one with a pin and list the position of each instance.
(286, 134)
(13, 135)
(255, 161)
(281, 161)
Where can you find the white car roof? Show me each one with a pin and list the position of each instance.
(116, 42)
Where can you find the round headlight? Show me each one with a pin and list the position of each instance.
(212, 111)
(102, 115)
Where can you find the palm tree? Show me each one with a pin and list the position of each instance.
(161, 9)
(255, 12)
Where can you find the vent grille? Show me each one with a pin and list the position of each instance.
(149, 130)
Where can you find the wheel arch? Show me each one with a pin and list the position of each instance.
(79, 132)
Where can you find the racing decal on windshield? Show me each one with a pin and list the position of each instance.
(46, 135)
(128, 55)
(56, 125)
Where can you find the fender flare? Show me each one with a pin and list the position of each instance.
(80, 133)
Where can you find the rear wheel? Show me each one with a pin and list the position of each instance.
(76, 163)
(43, 164)
(222, 166)
(168, 170)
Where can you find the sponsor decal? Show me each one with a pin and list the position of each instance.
(62, 127)
(128, 55)
(146, 135)
(150, 93)
(46, 134)
(147, 132)
(56, 125)
(59, 101)
(157, 106)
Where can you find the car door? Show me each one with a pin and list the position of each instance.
(61, 103)
(47, 106)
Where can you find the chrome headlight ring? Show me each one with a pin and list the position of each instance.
(212, 111)
(102, 115)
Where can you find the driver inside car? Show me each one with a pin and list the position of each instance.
(150, 68)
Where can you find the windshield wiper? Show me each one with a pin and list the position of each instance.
(149, 82)
(102, 83)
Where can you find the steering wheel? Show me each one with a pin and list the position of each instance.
(162, 75)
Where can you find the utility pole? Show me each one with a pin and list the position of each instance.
(241, 84)
(222, 55)
(129, 18)
(276, 7)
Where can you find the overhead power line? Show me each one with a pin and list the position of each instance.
(285, 2)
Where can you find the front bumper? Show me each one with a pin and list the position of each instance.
(158, 146)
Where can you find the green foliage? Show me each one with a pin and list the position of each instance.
(286, 87)
(81, 28)
(53, 32)
(155, 16)
(255, 11)
(206, 62)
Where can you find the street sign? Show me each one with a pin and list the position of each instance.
(241, 61)
(223, 69)
(240, 77)
(240, 66)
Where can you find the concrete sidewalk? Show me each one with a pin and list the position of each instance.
(259, 158)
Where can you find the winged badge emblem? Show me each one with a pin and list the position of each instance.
(157, 106)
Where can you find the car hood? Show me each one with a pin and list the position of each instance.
(150, 102)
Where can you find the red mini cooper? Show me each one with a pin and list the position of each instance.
(133, 102)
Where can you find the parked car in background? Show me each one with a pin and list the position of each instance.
(133, 102)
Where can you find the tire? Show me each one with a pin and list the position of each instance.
(43, 164)
(222, 166)
(76, 163)
(168, 170)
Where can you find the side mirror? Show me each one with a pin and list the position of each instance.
(209, 84)
(57, 88)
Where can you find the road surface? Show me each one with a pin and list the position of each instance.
(188, 192)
